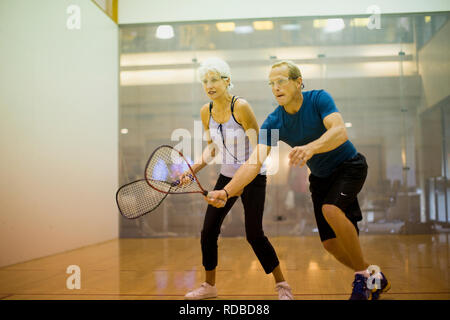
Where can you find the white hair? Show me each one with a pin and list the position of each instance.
(215, 65)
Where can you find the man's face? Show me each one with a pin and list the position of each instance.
(284, 89)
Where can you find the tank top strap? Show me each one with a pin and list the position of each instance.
(233, 101)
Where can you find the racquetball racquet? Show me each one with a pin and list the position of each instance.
(164, 168)
(137, 198)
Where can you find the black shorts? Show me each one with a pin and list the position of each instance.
(340, 189)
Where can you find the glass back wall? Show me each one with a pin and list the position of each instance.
(370, 67)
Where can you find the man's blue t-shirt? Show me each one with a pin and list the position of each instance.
(306, 126)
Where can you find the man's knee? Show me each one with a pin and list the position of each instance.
(330, 211)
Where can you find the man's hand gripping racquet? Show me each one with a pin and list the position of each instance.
(169, 172)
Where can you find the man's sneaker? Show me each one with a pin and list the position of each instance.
(284, 291)
(360, 291)
(204, 292)
(385, 286)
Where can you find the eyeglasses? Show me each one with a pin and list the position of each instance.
(213, 80)
(280, 82)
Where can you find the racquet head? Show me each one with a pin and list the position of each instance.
(136, 199)
(163, 171)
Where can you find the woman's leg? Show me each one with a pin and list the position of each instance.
(210, 232)
(253, 198)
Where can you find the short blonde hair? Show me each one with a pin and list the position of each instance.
(294, 70)
(215, 65)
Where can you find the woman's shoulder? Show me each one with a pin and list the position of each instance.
(242, 106)
(243, 112)
(204, 108)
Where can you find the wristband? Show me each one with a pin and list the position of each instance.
(226, 193)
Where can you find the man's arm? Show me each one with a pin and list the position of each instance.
(248, 171)
(243, 176)
(335, 135)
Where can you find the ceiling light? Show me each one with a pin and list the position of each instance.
(329, 25)
(319, 23)
(225, 26)
(243, 29)
(263, 25)
(334, 25)
(359, 22)
(164, 32)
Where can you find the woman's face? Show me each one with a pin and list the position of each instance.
(214, 85)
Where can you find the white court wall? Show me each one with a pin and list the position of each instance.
(151, 11)
(58, 128)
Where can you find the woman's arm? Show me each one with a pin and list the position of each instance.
(244, 114)
(210, 151)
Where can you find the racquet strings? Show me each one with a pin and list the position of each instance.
(137, 198)
(164, 169)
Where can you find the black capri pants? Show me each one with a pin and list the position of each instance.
(253, 198)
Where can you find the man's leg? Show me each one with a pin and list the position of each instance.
(346, 236)
(335, 248)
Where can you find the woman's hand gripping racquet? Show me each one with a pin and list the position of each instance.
(168, 171)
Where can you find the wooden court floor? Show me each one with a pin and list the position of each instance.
(418, 267)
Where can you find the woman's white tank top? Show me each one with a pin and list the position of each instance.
(234, 145)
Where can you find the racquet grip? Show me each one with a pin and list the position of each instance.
(205, 193)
